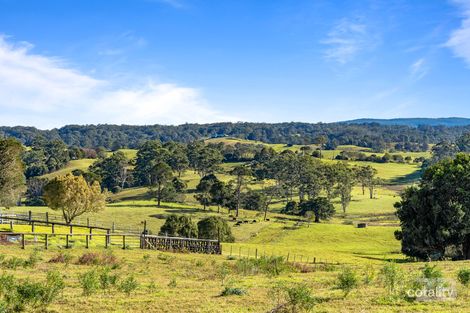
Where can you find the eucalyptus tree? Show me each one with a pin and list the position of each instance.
(12, 179)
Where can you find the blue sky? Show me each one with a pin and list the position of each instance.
(176, 61)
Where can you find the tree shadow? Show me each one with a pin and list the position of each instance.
(407, 179)
(395, 260)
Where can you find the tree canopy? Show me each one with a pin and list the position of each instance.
(12, 180)
(74, 196)
(435, 216)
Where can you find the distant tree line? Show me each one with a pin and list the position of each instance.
(372, 135)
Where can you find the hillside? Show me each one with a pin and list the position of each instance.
(415, 122)
(359, 133)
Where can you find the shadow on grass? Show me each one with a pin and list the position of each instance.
(395, 260)
(407, 179)
(132, 205)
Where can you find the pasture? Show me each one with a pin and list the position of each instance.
(196, 281)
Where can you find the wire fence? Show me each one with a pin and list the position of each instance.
(236, 251)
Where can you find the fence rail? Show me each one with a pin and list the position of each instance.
(25, 217)
(181, 244)
(126, 241)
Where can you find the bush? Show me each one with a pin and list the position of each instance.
(369, 274)
(231, 291)
(391, 277)
(179, 226)
(215, 227)
(33, 259)
(61, 258)
(91, 258)
(90, 282)
(128, 285)
(107, 279)
(463, 276)
(292, 298)
(24, 295)
(347, 280)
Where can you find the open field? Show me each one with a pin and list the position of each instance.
(169, 282)
(173, 283)
(81, 164)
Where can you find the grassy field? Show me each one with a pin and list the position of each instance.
(81, 164)
(178, 282)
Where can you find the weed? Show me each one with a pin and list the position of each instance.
(347, 280)
(128, 285)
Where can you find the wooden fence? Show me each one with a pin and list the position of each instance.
(181, 244)
(125, 241)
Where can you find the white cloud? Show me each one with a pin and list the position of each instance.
(459, 40)
(418, 69)
(346, 40)
(46, 92)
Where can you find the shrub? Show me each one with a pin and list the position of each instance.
(230, 291)
(179, 225)
(431, 272)
(292, 298)
(347, 280)
(91, 258)
(61, 258)
(90, 282)
(128, 285)
(33, 259)
(215, 227)
(391, 277)
(54, 286)
(19, 296)
(463, 276)
(223, 272)
(369, 274)
(107, 279)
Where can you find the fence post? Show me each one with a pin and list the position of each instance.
(53, 228)
(91, 231)
(124, 242)
(256, 253)
(87, 241)
(47, 218)
(11, 225)
(32, 227)
(23, 241)
(88, 222)
(106, 237)
(30, 215)
(46, 241)
(145, 226)
(71, 229)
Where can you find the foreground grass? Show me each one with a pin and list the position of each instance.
(193, 283)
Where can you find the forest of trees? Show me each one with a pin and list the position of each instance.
(372, 135)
